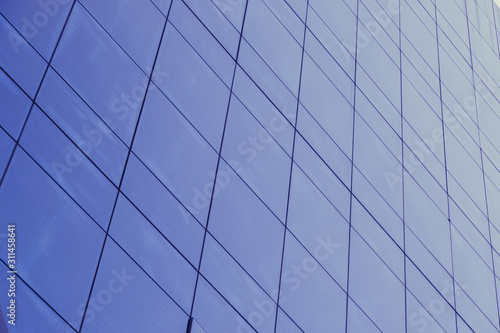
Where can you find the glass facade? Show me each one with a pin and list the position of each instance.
(219, 166)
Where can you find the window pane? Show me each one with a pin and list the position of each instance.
(69, 167)
(58, 239)
(15, 106)
(176, 153)
(124, 299)
(247, 229)
(192, 86)
(136, 25)
(19, 60)
(139, 238)
(108, 80)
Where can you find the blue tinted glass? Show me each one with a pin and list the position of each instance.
(15, 106)
(246, 228)
(343, 54)
(192, 86)
(274, 44)
(339, 19)
(69, 167)
(327, 105)
(318, 225)
(428, 265)
(202, 42)
(212, 15)
(40, 315)
(319, 173)
(214, 313)
(358, 321)
(313, 135)
(422, 216)
(83, 126)
(154, 200)
(287, 18)
(263, 164)
(6, 148)
(176, 153)
(298, 6)
(368, 148)
(330, 66)
(432, 309)
(60, 240)
(308, 293)
(378, 239)
(275, 122)
(135, 25)
(196, 327)
(233, 10)
(371, 280)
(268, 81)
(285, 325)
(19, 60)
(125, 299)
(237, 287)
(108, 80)
(274, 166)
(163, 6)
(475, 276)
(40, 22)
(139, 238)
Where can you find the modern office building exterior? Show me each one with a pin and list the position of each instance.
(234, 166)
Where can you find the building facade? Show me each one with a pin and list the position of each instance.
(225, 166)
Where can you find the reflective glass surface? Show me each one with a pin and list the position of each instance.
(235, 166)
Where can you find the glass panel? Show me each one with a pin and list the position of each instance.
(108, 80)
(213, 15)
(475, 277)
(267, 80)
(326, 149)
(375, 288)
(426, 221)
(318, 226)
(15, 106)
(19, 60)
(6, 148)
(262, 163)
(285, 325)
(59, 240)
(308, 293)
(214, 314)
(40, 22)
(247, 229)
(124, 299)
(158, 204)
(278, 124)
(358, 321)
(176, 153)
(82, 126)
(69, 167)
(319, 173)
(378, 239)
(237, 287)
(375, 161)
(31, 312)
(327, 105)
(192, 86)
(433, 310)
(274, 44)
(149, 248)
(202, 41)
(135, 25)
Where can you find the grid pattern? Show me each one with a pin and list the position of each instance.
(251, 165)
